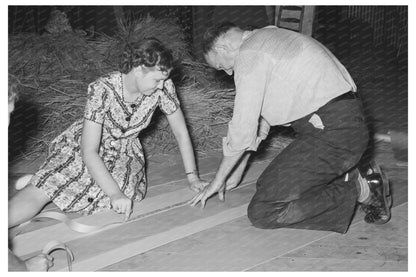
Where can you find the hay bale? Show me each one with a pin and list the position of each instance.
(51, 57)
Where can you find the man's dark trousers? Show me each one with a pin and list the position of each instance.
(304, 187)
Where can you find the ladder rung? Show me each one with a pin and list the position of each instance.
(290, 20)
(292, 29)
(292, 8)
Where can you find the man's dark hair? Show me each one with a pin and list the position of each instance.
(213, 33)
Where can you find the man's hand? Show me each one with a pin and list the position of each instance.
(122, 205)
(234, 180)
(207, 192)
(218, 184)
(41, 262)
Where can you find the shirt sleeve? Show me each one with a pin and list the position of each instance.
(251, 75)
(264, 128)
(97, 102)
(168, 101)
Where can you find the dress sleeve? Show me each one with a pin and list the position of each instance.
(168, 101)
(251, 76)
(97, 102)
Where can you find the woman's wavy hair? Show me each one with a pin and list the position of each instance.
(149, 52)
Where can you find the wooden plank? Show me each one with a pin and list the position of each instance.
(364, 248)
(290, 20)
(160, 173)
(243, 247)
(90, 246)
(392, 234)
(93, 246)
(24, 243)
(325, 264)
(162, 178)
(232, 246)
(356, 252)
(170, 184)
(308, 18)
(163, 183)
(146, 244)
(200, 251)
(292, 8)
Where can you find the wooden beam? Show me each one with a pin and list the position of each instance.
(24, 244)
(132, 249)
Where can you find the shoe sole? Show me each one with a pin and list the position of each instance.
(386, 195)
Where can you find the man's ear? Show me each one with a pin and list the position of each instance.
(221, 48)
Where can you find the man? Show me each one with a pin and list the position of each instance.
(286, 78)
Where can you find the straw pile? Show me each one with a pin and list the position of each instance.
(166, 30)
(53, 71)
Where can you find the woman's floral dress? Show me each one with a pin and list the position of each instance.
(64, 176)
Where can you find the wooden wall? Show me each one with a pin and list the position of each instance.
(389, 23)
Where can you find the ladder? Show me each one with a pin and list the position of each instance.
(290, 17)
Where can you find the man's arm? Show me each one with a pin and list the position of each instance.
(236, 175)
(251, 73)
(234, 179)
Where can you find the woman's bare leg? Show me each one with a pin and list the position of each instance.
(25, 204)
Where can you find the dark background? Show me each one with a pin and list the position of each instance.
(368, 26)
(371, 41)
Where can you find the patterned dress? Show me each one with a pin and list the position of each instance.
(64, 176)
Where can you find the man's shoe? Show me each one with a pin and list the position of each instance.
(377, 206)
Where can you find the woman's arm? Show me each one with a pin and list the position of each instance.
(177, 123)
(90, 143)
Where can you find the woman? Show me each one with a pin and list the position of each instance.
(98, 162)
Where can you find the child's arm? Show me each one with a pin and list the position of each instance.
(90, 143)
(178, 125)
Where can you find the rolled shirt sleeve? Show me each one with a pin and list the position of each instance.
(251, 76)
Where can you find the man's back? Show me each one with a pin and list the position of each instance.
(302, 74)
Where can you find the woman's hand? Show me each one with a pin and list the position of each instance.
(121, 205)
(207, 192)
(197, 184)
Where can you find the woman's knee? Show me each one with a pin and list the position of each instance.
(32, 194)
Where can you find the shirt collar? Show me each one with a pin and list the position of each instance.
(247, 34)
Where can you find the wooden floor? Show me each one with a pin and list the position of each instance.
(166, 234)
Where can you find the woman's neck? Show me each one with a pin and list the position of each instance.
(129, 90)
